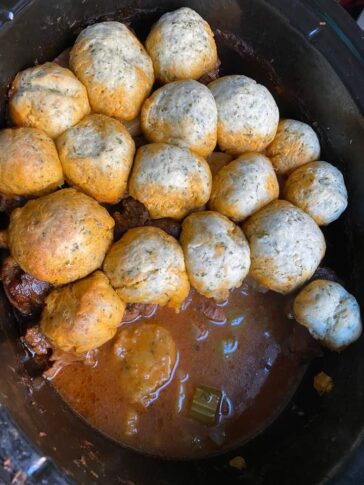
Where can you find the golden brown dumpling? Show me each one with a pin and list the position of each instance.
(182, 113)
(331, 314)
(114, 67)
(83, 315)
(97, 155)
(244, 186)
(48, 97)
(147, 266)
(216, 252)
(319, 189)
(286, 246)
(247, 114)
(170, 181)
(182, 46)
(295, 144)
(147, 353)
(29, 163)
(60, 237)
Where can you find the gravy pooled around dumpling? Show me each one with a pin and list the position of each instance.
(147, 354)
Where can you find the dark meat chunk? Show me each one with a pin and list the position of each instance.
(24, 292)
(212, 310)
(134, 311)
(36, 341)
(9, 203)
(211, 75)
(63, 59)
(329, 274)
(170, 226)
(139, 141)
(3, 239)
(130, 213)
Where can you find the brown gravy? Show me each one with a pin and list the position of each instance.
(256, 357)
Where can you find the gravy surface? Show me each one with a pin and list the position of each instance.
(256, 358)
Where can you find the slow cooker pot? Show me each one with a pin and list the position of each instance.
(310, 55)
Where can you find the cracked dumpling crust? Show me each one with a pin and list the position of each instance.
(83, 315)
(182, 46)
(147, 354)
(319, 189)
(115, 68)
(181, 113)
(247, 114)
(147, 266)
(29, 163)
(244, 186)
(216, 252)
(286, 246)
(60, 237)
(48, 97)
(97, 155)
(331, 314)
(294, 144)
(170, 181)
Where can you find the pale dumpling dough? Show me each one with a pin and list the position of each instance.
(170, 181)
(244, 186)
(216, 252)
(48, 97)
(286, 246)
(115, 68)
(29, 163)
(97, 155)
(182, 46)
(147, 354)
(60, 237)
(147, 266)
(319, 189)
(83, 315)
(181, 113)
(331, 314)
(247, 114)
(295, 144)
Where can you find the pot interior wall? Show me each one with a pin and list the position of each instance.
(313, 435)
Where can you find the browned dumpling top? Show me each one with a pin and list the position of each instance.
(60, 237)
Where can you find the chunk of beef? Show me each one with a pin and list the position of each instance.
(211, 75)
(36, 341)
(3, 239)
(9, 203)
(170, 226)
(130, 213)
(24, 292)
(63, 59)
(134, 311)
